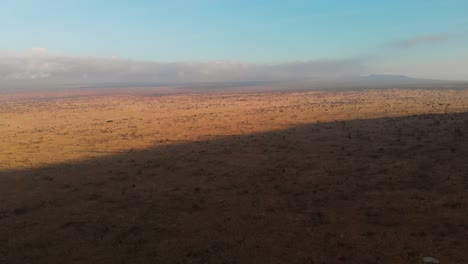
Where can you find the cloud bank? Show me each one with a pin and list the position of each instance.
(40, 67)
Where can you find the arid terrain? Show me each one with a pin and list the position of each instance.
(364, 176)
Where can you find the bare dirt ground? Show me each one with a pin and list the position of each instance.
(377, 176)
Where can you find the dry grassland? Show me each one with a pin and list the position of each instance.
(52, 131)
(377, 176)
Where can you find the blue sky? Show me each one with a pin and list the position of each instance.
(387, 34)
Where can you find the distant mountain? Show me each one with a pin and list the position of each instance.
(380, 77)
(388, 77)
(393, 80)
(374, 81)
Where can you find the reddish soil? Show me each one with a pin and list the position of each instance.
(314, 177)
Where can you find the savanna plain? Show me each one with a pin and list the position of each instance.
(139, 176)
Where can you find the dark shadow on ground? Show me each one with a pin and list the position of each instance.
(389, 190)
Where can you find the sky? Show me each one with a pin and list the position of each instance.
(216, 40)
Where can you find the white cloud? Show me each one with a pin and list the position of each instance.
(39, 51)
(38, 66)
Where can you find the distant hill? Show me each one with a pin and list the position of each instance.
(393, 79)
(374, 81)
(381, 77)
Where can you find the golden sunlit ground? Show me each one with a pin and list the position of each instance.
(371, 176)
(51, 131)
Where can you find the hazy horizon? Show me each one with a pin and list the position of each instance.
(61, 43)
